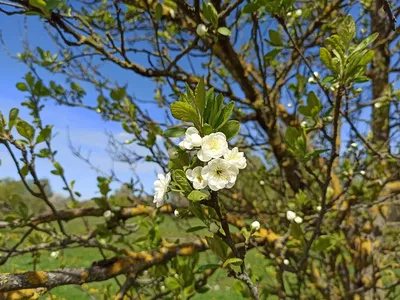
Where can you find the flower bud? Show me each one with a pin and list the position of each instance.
(255, 226)
(201, 30)
(290, 215)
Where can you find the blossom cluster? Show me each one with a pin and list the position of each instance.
(221, 164)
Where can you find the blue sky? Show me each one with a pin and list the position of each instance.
(85, 128)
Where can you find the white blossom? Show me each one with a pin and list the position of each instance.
(316, 74)
(377, 105)
(194, 175)
(362, 172)
(255, 225)
(172, 13)
(298, 12)
(290, 215)
(176, 276)
(286, 261)
(162, 288)
(201, 30)
(329, 118)
(289, 105)
(289, 14)
(298, 220)
(108, 214)
(192, 139)
(354, 145)
(236, 158)
(176, 213)
(55, 254)
(304, 124)
(262, 182)
(214, 228)
(213, 145)
(160, 189)
(319, 208)
(220, 174)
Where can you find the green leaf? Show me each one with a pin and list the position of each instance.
(224, 31)
(201, 96)
(272, 54)
(207, 129)
(296, 231)
(197, 196)
(22, 86)
(25, 130)
(367, 58)
(12, 118)
(232, 261)
(171, 283)
(44, 134)
(250, 8)
(213, 14)
(326, 57)
(24, 171)
(230, 129)
(174, 132)
(184, 111)
(366, 42)
(196, 228)
(180, 179)
(225, 114)
(159, 11)
(322, 243)
(118, 94)
(41, 5)
(218, 246)
(58, 167)
(275, 38)
(347, 30)
(202, 268)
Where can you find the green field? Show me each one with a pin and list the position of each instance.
(220, 285)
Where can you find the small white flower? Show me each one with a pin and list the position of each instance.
(299, 12)
(236, 158)
(286, 261)
(316, 74)
(359, 90)
(162, 288)
(332, 88)
(213, 145)
(304, 124)
(214, 228)
(289, 105)
(290, 215)
(272, 256)
(176, 276)
(160, 189)
(289, 14)
(329, 118)
(311, 80)
(354, 145)
(319, 208)
(255, 225)
(362, 172)
(176, 213)
(172, 13)
(192, 139)
(298, 220)
(55, 254)
(201, 30)
(262, 182)
(195, 176)
(108, 214)
(220, 174)
(377, 105)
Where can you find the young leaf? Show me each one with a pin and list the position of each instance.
(218, 246)
(326, 58)
(171, 283)
(197, 196)
(232, 261)
(184, 111)
(44, 134)
(22, 86)
(26, 130)
(179, 177)
(347, 30)
(275, 38)
(196, 228)
(224, 31)
(201, 96)
(159, 11)
(230, 129)
(225, 114)
(202, 268)
(12, 118)
(174, 132)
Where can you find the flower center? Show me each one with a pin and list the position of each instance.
(219, 172)
(214, 144)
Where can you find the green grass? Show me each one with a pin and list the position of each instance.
(220, 284)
